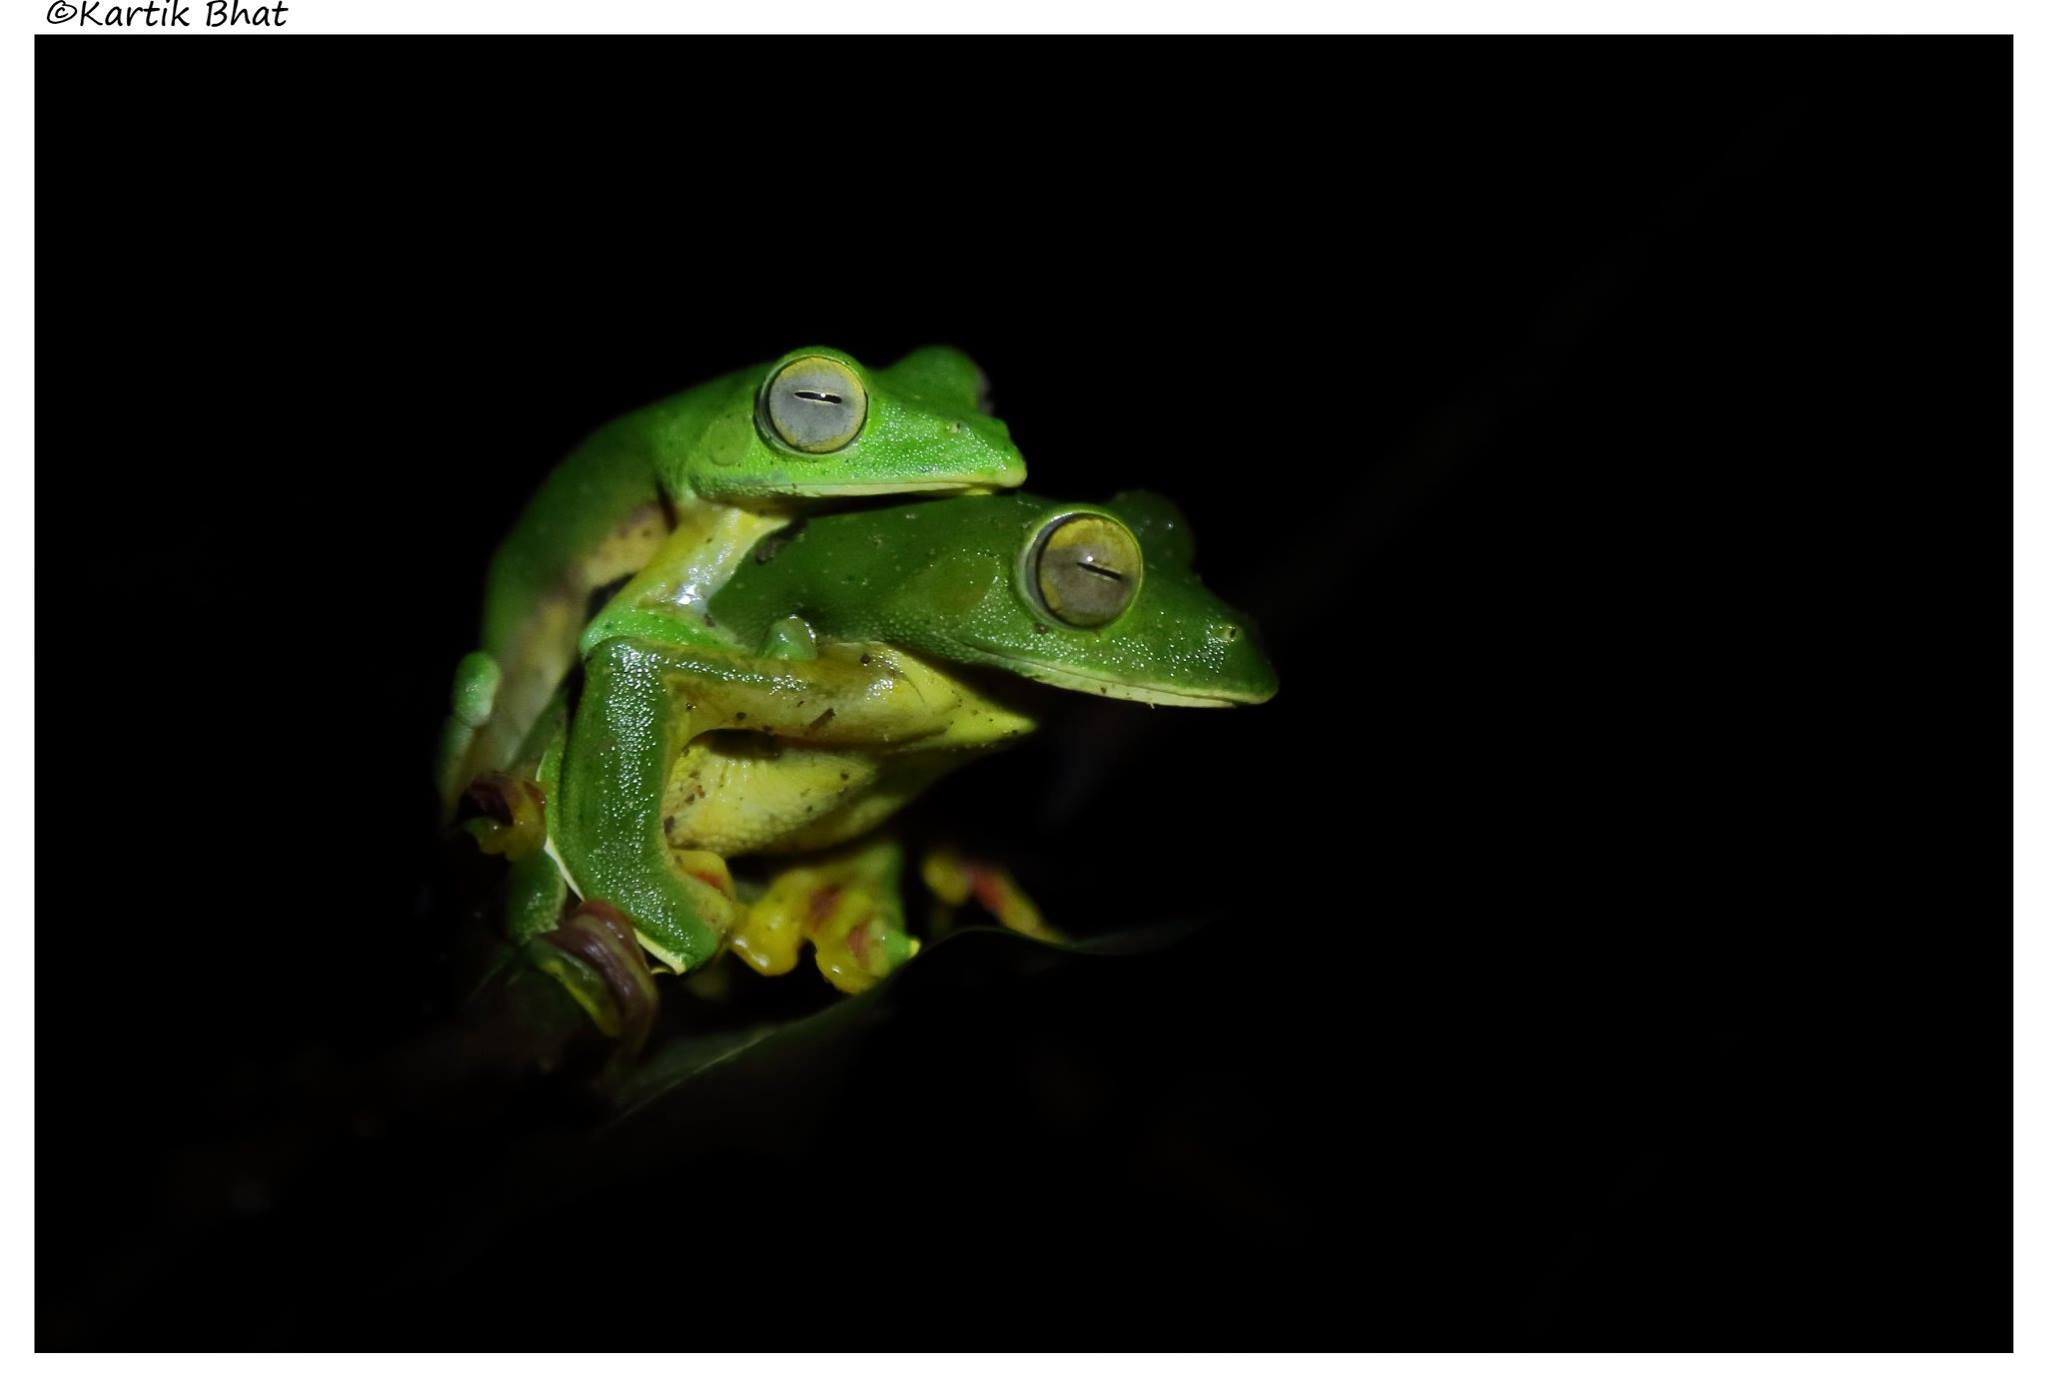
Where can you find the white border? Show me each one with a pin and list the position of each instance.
(844, 1370)
(17, 673)
(2030, 688)
(2030, 683)
(1116, 17)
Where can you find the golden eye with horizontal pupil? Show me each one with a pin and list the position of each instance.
(815, 404)
(1087, 570)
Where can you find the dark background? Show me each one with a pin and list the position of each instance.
(1601, 940)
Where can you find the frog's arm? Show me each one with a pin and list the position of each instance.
(642, 704)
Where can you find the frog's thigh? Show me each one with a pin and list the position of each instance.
(848, 904)
(625, 734)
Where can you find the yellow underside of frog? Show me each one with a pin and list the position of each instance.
(874, 727)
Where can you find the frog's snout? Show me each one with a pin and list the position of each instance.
(1246, 675)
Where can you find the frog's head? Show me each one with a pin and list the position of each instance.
(1102, 599)
(817, 423)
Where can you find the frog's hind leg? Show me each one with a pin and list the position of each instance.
(847, 904)
(644, 702)
(606, 818)
(586, 946)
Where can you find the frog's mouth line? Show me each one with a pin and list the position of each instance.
(890, 488)
(1041, 673)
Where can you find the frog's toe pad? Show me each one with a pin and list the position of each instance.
(477, 677)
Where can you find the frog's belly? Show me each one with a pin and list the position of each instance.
(738, 793)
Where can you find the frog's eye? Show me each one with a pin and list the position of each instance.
(1086, 569)
(815, 404)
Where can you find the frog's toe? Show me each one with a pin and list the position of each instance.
(477, 677)
(595, 956)
(475, 695)
(955, 879)
(862, 942)
(708, 881)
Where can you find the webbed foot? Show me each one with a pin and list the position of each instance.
(848, 905)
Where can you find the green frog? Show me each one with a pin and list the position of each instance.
(844, 664)
(671, 495)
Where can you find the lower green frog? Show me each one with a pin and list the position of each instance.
(867, 653)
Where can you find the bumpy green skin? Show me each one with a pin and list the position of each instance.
(673, 467)
(945, 580)
(625, 736)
